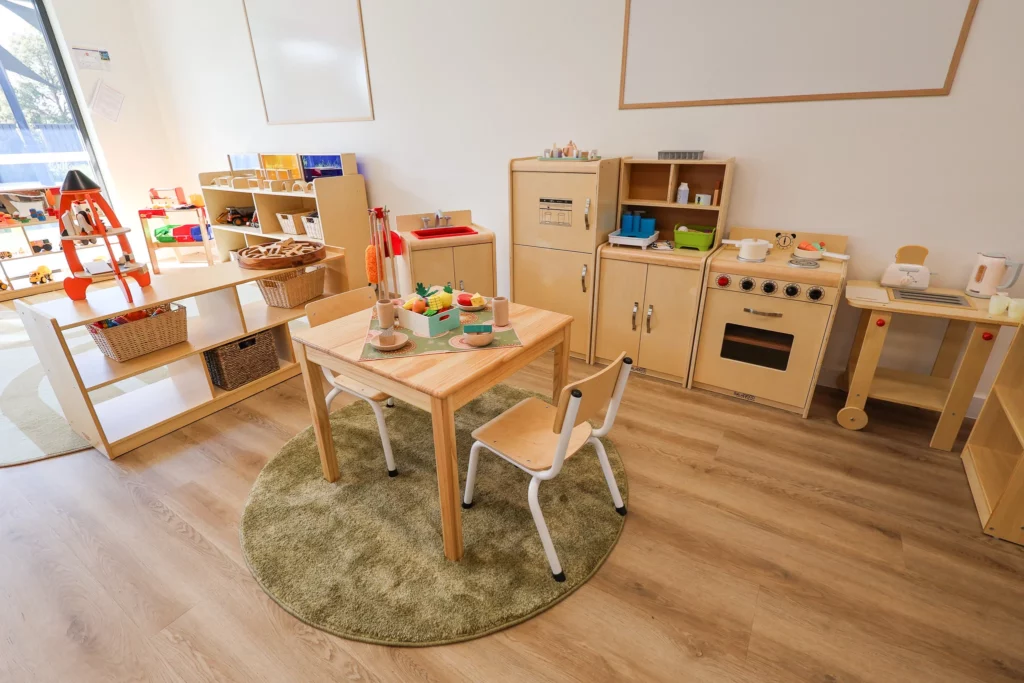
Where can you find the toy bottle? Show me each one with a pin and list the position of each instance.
(683, 194)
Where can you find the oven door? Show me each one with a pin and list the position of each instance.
(760, 346)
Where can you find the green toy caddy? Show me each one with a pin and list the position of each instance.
(699, 237)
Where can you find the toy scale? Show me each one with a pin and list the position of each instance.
(86, 216)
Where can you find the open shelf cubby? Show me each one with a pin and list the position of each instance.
(649, 186)
(994, 455)
(223, 305)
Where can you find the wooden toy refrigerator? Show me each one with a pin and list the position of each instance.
(561, 212)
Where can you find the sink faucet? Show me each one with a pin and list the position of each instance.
(439, 216)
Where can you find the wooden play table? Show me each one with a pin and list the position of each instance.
(437, 383)
(948, 389)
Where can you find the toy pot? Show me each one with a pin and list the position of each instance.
(500, 306)
(385, 313)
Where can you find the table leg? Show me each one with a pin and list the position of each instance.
(853, 416)
(851, 364)
(979, 348)
(442, 413)
(952, 342)
(561, 369)
(311, 380)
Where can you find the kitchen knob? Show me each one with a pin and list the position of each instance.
(987, 336)
(724, 280)
(792, 290)
(747, 284)
(769, 287)
(880, 322)
(815, 293)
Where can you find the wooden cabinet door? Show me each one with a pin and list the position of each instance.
(667, 319)
(619, 309)
(433, 266)
(555, 210)
(555, 281)
(474, 268)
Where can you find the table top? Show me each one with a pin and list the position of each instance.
(977, 313)
(438, 375)
(110, 302)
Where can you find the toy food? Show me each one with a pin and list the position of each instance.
(477, 300)
(478, 335)
(465, 299)
(418, 306)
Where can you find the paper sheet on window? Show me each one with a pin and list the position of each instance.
(106, 101)
(85, 58)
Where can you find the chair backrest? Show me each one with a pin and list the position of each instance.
(912, 254)
(599, 390)
(338, 306)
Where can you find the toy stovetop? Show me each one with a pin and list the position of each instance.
(829, 272)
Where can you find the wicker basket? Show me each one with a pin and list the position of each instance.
(242, 361)
(289, 290)
(138, 338)
(313, 227)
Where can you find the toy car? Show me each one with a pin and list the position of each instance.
(237, 215)
(5, 254)
(40, 245)
(40, 276)
(4, 286)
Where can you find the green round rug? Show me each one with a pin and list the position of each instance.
(362, 558)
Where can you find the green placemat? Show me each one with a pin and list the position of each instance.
(449, 342)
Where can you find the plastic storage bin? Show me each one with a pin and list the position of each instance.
(699, 237)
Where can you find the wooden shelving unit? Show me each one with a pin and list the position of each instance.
(994, 455)
(666, 283)
(340, 201)
(117, 425)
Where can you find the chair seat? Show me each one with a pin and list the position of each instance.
(369, 393)
(523, 434)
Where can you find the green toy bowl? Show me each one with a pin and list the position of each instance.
(699, 237)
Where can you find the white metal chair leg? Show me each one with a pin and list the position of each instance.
(606, 467)
(385, 440)
(474, 459)
(542, 529)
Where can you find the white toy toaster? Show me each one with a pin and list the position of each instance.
(906, 276)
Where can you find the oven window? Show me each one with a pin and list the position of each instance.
(766, 348)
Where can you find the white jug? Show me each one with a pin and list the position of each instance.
(992, 272)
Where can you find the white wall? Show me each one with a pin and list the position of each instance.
(134, 152)
(462, 86)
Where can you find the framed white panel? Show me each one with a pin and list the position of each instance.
(680, 53)
(311, 60)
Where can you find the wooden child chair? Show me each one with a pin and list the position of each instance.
(537, 437)
(338, 306)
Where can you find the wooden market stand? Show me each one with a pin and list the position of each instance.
(117, 425)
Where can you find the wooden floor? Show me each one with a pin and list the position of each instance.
(758, 547)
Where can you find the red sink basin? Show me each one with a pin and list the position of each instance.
(431, 233)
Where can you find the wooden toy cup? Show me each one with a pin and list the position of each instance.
(500, 305)
(385, 313)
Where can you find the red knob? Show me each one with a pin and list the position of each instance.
(987, 336)
(880, 322)
(723, 281)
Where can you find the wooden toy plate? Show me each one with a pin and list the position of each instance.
(400, 341)
(284, 254)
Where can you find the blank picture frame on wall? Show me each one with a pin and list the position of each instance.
(687, 53)
(310, 60)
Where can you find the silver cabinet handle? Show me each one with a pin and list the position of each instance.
(650, 310)
(765, 314)
(462, 285)
(586, 214)
(636, 306)
(583, 278)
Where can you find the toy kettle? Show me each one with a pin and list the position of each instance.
(992, 272)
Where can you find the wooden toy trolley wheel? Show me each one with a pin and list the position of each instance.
(852, 418)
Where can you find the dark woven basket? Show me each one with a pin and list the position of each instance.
(240, 362)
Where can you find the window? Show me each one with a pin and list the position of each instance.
(41, 136)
